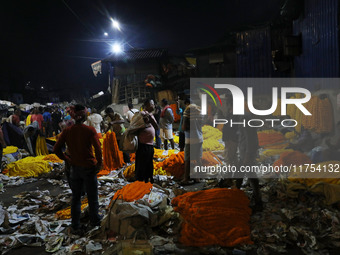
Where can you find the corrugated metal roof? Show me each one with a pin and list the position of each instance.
(320, 40)
(137, 55)
(254, 53)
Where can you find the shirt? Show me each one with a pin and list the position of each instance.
(79, 139)
(47, 116)
(147, 135)
(39, 118)
(94, 120)
(194, 135)
(56, 117)
(15, 120)
(166, 121)
(130, 114)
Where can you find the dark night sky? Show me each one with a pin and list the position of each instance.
(53, 42)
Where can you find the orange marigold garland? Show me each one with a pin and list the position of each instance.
(321, 120)
(270, 139)
(177, 117)
(112, 156)
(292, 158)
(173, 165)
(226, 215)
(133, 191)
(65, 214)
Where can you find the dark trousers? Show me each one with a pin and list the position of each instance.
(158, 139)
(144, 162)
(79, 177)
(252, 177)
(181, 142)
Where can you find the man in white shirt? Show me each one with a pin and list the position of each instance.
(130, 112)
(94, 120)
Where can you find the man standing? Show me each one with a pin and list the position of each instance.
(230, 138)
(145, 151)
(79, 139)
(36, 116)
(56, 119)
(130, 112)
(180, 111)
(166, 120)
(192, 127)
(48, 122)
(248, 146)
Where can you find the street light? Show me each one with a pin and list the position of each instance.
(117, 48)
(115, 24)
(106, 34)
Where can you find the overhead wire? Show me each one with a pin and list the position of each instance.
(75, 14)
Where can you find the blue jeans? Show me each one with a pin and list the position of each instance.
(158, 139)
(79, 177)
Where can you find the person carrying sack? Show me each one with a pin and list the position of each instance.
(145, 150)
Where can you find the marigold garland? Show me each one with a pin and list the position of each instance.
(53, 158)
(271, 139)
(273, 152)
(177, 117)
(65, 214)
(321, 120)
(28, 167)
(133, 191)
(129, 172)
(211, 136)
(226, 215)
(292, 158)
(174, 165)
(9, 150)
(112, 156)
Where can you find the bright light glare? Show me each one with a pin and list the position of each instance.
(115, 24)
(117, 48)
(100, 93)
(106, 34)
(42, 87)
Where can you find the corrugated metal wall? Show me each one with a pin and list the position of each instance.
(254, 53)
(320, 39)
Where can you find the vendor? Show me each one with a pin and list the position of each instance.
(116, 124)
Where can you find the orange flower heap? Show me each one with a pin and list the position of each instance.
(173, 165)
(133, 191)
(112, 156)
(270, 139)
(292, 158)
(226, 215)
